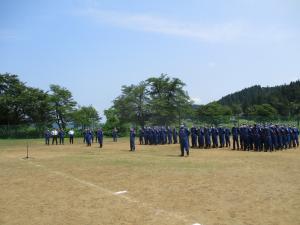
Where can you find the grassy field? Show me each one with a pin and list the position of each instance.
(112, 186)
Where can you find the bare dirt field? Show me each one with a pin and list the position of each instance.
(62, 185)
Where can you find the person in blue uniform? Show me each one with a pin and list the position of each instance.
(200, 134)
(296, 135)
(207, 135)
(235, 137)
(61, 135)
(146, 136)
(256, 137)
(279, 137)
(132, 139)
(274, 138)
(88, 138)
(151, 136)
(115, 134)
(141, 136)
(156, 136)
(47, 137)
(175, 134)
(227, 137)
(169, 134)
(214, 135)
(100, 137)
(164, 132)
(194, 136)
(184, 140)
(221, 133)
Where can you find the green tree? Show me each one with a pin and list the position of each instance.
(11, 88)
(62, 105)
(262, 112)
(214, 113)
(86, 116)
(132, 104)
(20, 104)
(113, 120)
(169, 102)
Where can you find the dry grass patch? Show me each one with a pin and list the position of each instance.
(76, 185)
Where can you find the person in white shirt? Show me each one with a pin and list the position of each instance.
(54, 134)
(71, 136)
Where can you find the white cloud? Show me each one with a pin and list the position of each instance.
(154, 24)
(217, 32)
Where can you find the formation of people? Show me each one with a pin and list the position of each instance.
(58, 135)
(246, 137)
(158, 136)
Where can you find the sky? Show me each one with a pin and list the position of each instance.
(94, 47)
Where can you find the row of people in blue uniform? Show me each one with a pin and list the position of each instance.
(158, 135)
(265, 138)
(99, 136)
(88, 137)
(94, 135)
(256, 137)
(245, 137)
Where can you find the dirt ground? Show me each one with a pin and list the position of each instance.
(62, 185)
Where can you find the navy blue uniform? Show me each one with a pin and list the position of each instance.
(200, 134)
(175, 134)
(132, 140)
(169, 131)
(115, 135)
(141, 136)
(184, 140)
(221, 132)
(61, 135)
(100, 137)
(235, 137)
(194, 137)
(47, 137)
(207, 135)
(227, 137)
(88, 138)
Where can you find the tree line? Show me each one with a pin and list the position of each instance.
(283, 100)
(24, 105)
(161, 101)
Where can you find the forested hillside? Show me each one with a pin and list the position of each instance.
(284, 100)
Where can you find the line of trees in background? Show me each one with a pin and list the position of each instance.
(283, 100)
(156, 101)
(27, 106)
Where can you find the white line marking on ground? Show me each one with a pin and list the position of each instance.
(156, 211)
(120, 192)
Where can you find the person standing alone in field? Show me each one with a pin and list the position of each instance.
(115, 134)
(132, 140)
(184, 140)
(100, 137)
